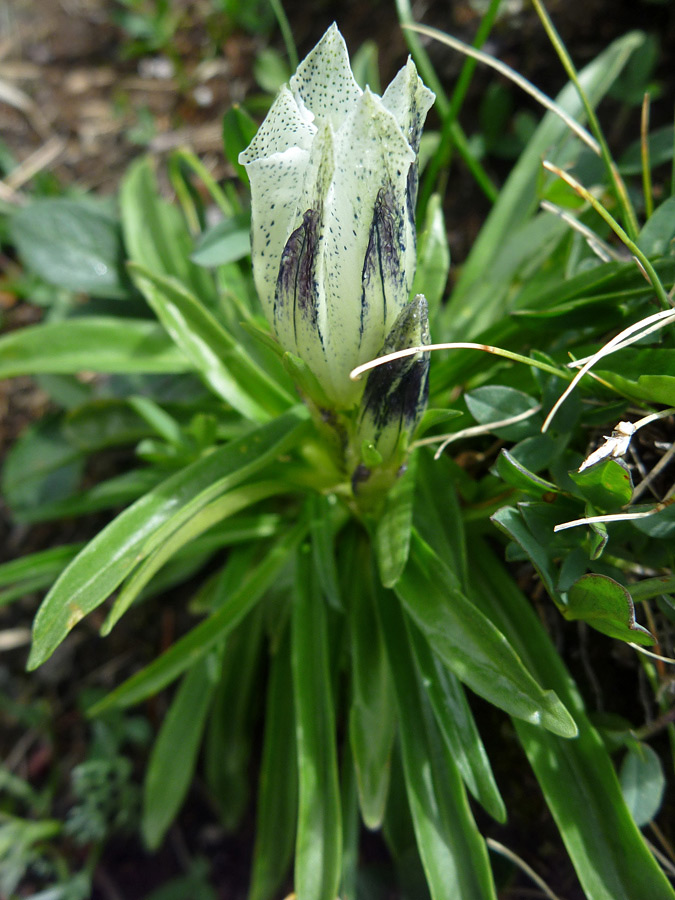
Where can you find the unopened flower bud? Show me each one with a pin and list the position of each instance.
(395, 395)
(333, 173)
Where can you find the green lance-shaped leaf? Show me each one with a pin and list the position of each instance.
(129, 538)
(227, 746)
(471, 646)
(479, 295)
(433, 257)
(278, 783)
(202, 520)
(224, 365)
(73, 243)
(577, 777)
(453, 852)
(457, 726)
(174, 754)
(156, 234)
(95, 343)
(181, 655)
(607, 606)
(318, 851)
(371, 715)
(393, 530)
(34, 571)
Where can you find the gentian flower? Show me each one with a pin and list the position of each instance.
(333, 172)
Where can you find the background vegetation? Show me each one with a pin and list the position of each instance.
(117, 783)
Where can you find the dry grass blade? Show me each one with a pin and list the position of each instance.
(634, 332)
(511, 74)
(602, 250)
(473, 431)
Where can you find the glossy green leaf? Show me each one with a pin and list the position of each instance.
(75, 244)
(180, 656)
(351, 826)
(457, 726)
(577, 777)
(642, 782)
(225, 366)
(647, 588)
(129, 538)
(155, 232)
(471, 646)
(660, 143)
(495, 402)
(278, 783)
(518, 476)
(607, 486)
(227, 241)
(114, 492)
(432, 417)
(42, 467)
(479, 296)
(371, 714)
(392, 535)
(536, 453)
(660, 525)
(90, 343)
(238, 131)
(440, 523)
(209, 515)
(318, 849)
(227, 747)
(322, 530)
(585, 296)
(510, 521)
(105, 422)
(607, 606)
(452, 849)
(34, 571)
(174, 754)
(433, 257)
(658, 233)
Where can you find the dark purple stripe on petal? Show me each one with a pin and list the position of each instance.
(297, 291)
(384, 253)
(396, 393)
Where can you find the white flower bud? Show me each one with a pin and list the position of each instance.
(333, 173)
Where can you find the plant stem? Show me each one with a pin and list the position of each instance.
(645, 264)
(443, 154)
(619, 186)
(428, 74)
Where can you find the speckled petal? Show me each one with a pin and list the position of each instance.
(276, 161)
(323, 82)
(370, 253)
(276, 184)
(284, 127)
(408, 98)
(299, 318)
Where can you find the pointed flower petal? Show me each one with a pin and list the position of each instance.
(323, 83)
